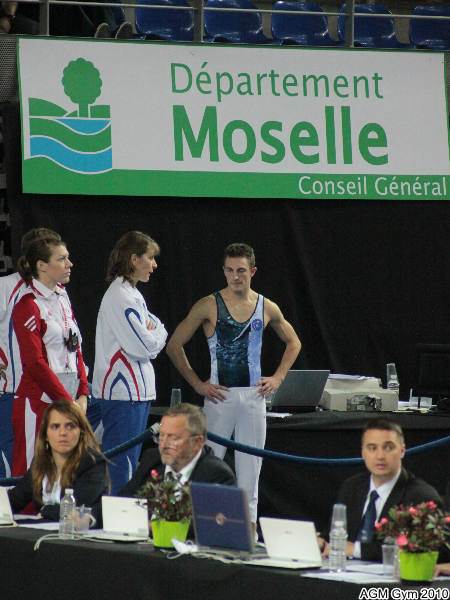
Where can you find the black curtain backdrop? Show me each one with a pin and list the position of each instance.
(361, 281)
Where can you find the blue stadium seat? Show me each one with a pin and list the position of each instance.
(170, 24)
(305, 30)
(234, 27)
(431, 33)
(371, 32)
(118, 14)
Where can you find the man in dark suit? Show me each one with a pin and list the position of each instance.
(369, 496)
(182, 451)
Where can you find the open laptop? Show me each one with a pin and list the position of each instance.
(6, 515)
(124, 520)
(289, 544)
(221, 518)
(222, 526)
(300, 391)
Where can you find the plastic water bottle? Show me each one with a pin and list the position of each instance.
(338, 539)
(391, 377)
(67, 515)
(175, 397)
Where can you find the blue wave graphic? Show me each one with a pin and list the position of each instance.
(84, 125)
(75, 161)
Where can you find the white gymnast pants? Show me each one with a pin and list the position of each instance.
(243, 412)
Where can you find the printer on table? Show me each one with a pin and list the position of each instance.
(357, 393)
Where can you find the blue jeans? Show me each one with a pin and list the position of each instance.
(122, 420)
(6, 434)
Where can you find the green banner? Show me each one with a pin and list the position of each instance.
(238, 122)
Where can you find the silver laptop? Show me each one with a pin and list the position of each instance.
(124, 520)
(289, 544)
(6, 515)
(300, 391)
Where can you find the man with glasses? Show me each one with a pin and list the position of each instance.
(182, 452)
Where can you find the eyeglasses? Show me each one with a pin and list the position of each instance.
(172, 439)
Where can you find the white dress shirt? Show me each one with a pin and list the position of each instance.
(184, 473)
(383, 492)
(52, 496)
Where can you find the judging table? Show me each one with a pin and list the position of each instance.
(81, 570)
(308, 491)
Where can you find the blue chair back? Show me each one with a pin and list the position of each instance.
(431, 33)
(236, 27)
(170, 24)
(371, 32)
(118, 14)
(306, 30)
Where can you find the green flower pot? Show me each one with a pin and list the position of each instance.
(417, 566)
(164, 531)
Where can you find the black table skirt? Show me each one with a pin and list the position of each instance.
(82, 570)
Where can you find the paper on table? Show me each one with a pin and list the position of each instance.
(37, 525)
(365, 567)
(345, 377)
(349, 576)
(369, 567)
(273, 415)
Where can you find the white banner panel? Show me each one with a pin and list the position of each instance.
(134, 118)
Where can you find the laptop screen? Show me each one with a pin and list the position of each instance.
(125, 515)
(6, 516)
(221, 517)
(289, 539)
(301, 390)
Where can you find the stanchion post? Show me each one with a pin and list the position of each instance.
(199, 20)
(349, 23)
(44, 17)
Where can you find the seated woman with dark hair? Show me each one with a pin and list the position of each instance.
(67, 455)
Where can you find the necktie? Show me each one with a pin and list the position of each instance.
(366, 532)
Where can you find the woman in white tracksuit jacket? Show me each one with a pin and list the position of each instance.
(127, 338)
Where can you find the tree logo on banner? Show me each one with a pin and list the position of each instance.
(78, 140)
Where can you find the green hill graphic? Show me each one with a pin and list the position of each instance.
(45, 108)
(77, 140)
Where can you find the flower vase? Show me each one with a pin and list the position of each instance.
(417, 566)
(164, 531)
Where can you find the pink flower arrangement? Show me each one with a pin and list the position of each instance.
(421, 528)
(167, 499)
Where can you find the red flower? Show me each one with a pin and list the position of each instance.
(154, 474)
(379, 524)
(416, 528)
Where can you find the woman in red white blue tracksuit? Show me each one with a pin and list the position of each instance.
(12, 288)
(49, 344)
(128, 337)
